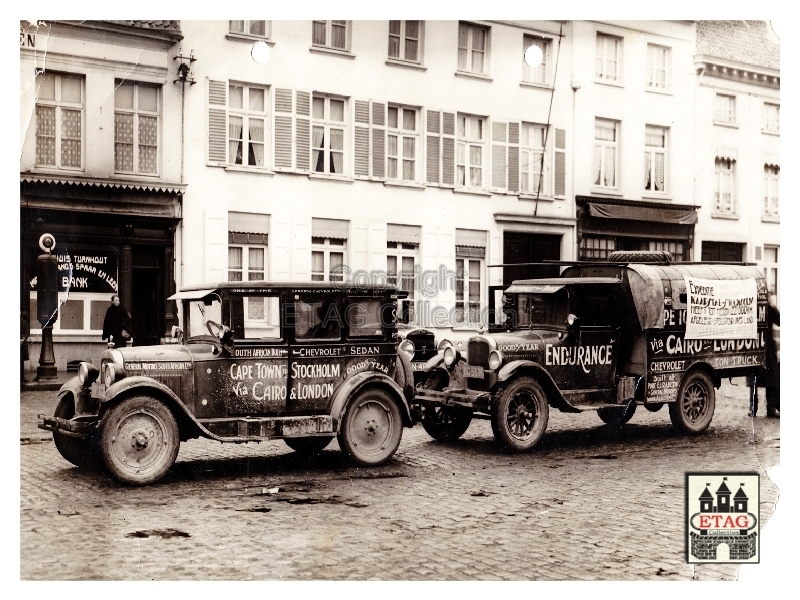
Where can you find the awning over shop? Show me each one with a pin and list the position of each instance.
(725, 153)
(772, 159)
(174, 188)
(405, 234)
(632, 210)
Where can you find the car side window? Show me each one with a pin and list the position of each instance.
(256, 317)
(595, 306)
(317, 318)
(363, 317)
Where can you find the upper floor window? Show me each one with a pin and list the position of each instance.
(724, 200)
(247, 123)
(772, 182)
(725, 108)
(404, 40)
(658, 58)
(608, 59)
(473, 42)
(136, 112)
(469, 152)
(259, 29)
(403, 141)
(330, 34)
(59, 120)
(327, 143)
(772, 117)
(535, 74)
(606, 147)
(533, 161)
(655, 158)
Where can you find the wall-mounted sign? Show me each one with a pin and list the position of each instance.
(87, 271)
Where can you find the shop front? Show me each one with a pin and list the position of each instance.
(111, 238)
(609, 224)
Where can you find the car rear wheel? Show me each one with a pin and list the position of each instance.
(371, 428)
(519, 414)
(308, 445)
(616, 415)
(694, 409)
(444, 423)
(139, 440)
(80, 452)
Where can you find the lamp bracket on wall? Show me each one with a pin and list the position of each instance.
(185, 68)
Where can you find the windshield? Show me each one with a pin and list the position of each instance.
(541, 310)
(200, 314)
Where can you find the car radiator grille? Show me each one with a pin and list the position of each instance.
(478, 354)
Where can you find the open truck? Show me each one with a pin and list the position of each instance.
(608, 337)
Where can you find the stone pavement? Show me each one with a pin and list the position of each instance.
(589, 503)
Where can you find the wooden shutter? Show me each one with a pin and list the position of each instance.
(513, 157)
(303, 131)
(499, 155)
(448, 149)
(217, 122)
(379, 140)
(361, 154)
(560, 166)
(432, 146)
(284, 115)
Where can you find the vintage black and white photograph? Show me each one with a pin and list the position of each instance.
(399, 300)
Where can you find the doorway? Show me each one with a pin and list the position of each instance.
(147, 312)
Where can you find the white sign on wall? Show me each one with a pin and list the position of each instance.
(721, 309)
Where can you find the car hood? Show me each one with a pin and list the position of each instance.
(155, 353)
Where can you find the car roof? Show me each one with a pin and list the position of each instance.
(562, 281)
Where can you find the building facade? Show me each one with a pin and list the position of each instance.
(100, 169)
(737, 156)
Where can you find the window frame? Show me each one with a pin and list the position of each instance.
(469, 66)
(772, 268)
(328, 44)
(327, 248)
(768, 121)
(466, 142)
(246, 114)
(603, 76)
(652, 68)
(719, 118)
(58, 105)
(399, 251)
(246, 266)
(772, 175)
(402, 39)
(604, 145)
(465, 280)
(246, 34)
(525, 147)
(326, 123)
(547, 44)
(137, 112)
(87, 298)
(401, 133)
(651, 152)
(721, 172)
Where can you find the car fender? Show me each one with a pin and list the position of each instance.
(121, 389)
(536, 370)
(361, 380)
(82, 397)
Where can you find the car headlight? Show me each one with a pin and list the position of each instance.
(87, 373)
(441, 346)
(451, 355)
(496, 360)
(407, 348)
(111, 373)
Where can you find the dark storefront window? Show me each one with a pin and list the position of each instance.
(722, 252)
(598, 247)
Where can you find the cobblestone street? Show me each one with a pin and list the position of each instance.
(588, 504)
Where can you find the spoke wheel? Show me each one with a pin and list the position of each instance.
(694, 409)
(519, 414)
(444, 423)
(308, 445)
(618, 415)
(139, 440)
(81, 453)
(371, 428)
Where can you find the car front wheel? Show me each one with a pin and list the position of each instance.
(519, 414)
(371, 428)
(139, 440)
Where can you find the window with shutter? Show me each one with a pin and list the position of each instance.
(303, 131)
(361, 127)
(378, 140)
(560, 167)
(448, 148)
(433, 146)
(217, 121)
(402, 143)
(513, 157)
(284, 112)
(500, 155)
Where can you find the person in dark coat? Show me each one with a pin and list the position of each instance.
(117, 325)
(769, 377)
(24, 334)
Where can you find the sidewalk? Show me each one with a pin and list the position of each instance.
(32, 385)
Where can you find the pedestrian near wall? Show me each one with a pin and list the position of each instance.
(769, 376)
(117, 325)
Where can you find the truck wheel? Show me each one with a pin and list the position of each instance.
(519, 414)
(694, 409)
(81, 453)
(616, 415)
(139, 440)
(371, 428)
(444, 423)
(308, 445)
